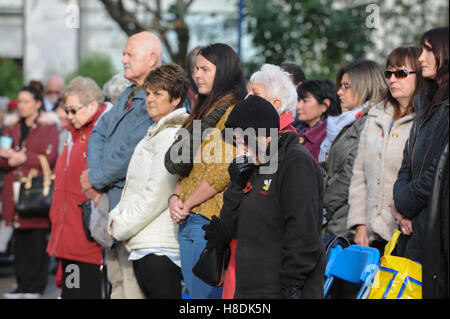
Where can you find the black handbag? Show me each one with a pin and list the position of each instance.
(35, 194)
(212, 265)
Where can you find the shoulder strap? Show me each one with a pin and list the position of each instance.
(47, 174)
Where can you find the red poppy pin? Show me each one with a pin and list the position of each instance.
(359, 115)
(248, 188)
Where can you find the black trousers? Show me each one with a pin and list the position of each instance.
(81, 280)
(31, 259)
(158, 277)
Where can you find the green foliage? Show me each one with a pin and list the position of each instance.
(309, 32)
(407, 21)
(11, 78)
(97, 66)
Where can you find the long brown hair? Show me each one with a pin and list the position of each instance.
(437, 89)
(229, 80)
(403, 56)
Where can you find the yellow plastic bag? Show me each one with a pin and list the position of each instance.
(398, 277)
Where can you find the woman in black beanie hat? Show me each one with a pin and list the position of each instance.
(275, 216)
(198, 195)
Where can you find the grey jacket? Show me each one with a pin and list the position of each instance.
(338, 175)
(113, 141)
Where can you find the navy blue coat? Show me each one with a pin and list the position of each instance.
(412, 190)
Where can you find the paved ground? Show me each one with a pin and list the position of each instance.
(8, 283)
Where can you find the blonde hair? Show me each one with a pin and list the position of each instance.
(367, 81)
(86, 89)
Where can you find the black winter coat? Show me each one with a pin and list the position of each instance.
(412, 190)
(278, 224)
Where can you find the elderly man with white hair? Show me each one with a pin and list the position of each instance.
(112, 144)
(275, 85)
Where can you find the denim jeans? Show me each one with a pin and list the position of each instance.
(192, 243)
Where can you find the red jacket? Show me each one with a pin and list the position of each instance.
(42, 139)
(67, 239)
(286, 121)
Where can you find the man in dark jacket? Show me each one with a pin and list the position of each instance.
(277, 218)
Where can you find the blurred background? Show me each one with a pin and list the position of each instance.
(70, 37)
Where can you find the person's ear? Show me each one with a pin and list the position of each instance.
(153, 61)
(93, 106)
(325, 105)
(276, 103)
(175, 102)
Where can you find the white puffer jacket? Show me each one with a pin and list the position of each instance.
(142, 217)
(379, 158)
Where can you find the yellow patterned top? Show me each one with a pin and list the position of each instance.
(211, 163)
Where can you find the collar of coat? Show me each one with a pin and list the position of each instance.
(384, 115)
(173, 119)
(44, 118)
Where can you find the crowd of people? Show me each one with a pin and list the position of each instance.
(306, 160)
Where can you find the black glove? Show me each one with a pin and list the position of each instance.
(240, 170)
(291, 292)
(215, 234)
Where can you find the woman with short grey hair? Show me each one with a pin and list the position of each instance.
(275, 85)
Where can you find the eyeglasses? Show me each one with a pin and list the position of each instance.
(399, 74)
(71, 110)
(345, 86)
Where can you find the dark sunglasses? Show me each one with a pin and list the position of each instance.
(399, 74)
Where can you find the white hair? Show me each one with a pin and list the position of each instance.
(115, 86)
(277, 84)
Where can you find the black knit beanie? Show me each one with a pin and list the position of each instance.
(254, 112)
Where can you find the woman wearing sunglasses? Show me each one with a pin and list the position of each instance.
(380, 152)
(84, 105)
(427, 140)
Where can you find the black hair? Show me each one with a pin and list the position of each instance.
(438, 39)
(37, 96)
(321, 90)
(295, 72)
